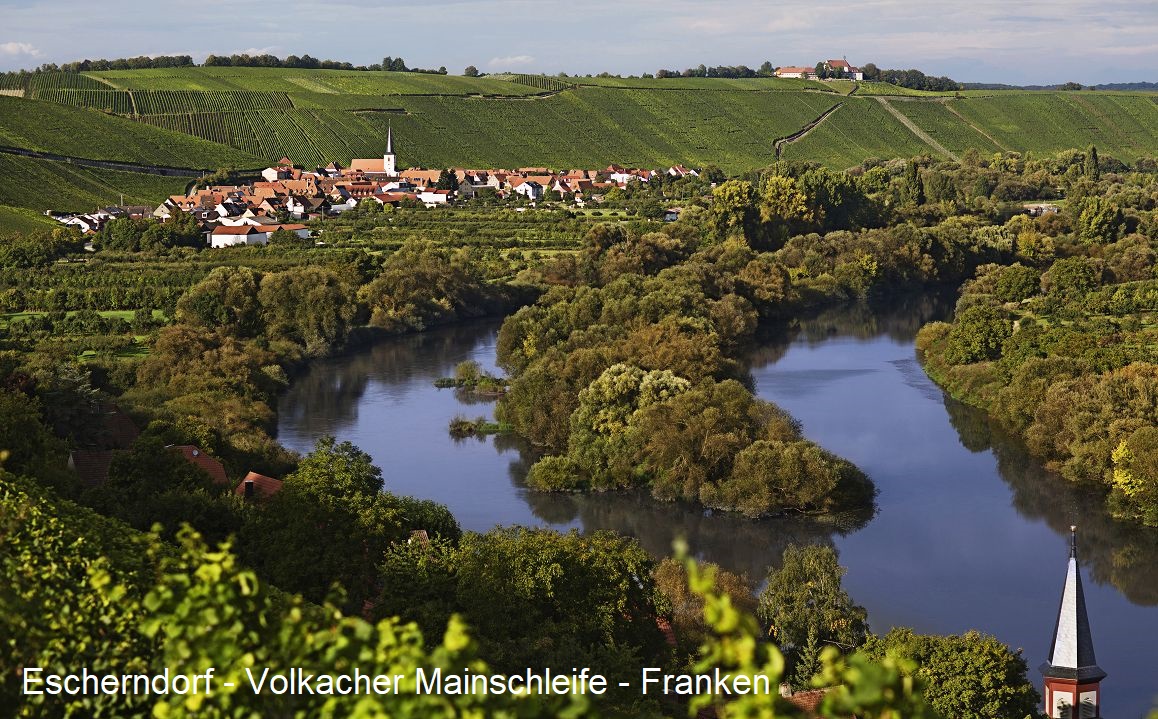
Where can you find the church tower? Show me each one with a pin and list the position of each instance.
(1072, 675)
(390, 160)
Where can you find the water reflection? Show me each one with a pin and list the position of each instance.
(971, 531)
(1115, 552)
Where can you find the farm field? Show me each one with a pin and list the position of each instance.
(206, 118)
(20, 219)
(1124, 126)
(703, 83)
(859, 129)
(942, 125)
(592, 127)
(47, 184)
(339, 82)
(76, 132)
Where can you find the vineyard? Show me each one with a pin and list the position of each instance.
(75, 132)
(209, 117)
(337, 82)
(1125, 126)
(942, 125)
(43, 184)
(858, 130)
(754, 84)
(591, 127)
(540, 82)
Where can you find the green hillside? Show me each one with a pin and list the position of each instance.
(243, 117)
(76, 132)
(47, 184)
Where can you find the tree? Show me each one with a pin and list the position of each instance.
(470, 71)
(968, 676)
(310, 306)
(1099, 221)
(805, 596)
(1090, 165)
(226, 300)
(977, 335)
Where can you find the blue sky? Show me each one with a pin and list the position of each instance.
(1031, 41)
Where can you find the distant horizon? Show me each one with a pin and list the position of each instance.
(1033, 42)
(199, 61)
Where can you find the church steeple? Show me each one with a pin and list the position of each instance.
(390, 160)
(1072, 675)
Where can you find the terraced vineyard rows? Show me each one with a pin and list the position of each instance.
(310, 137)
(1125, 126)
(320, 81)
(116, 101)
(75, 188)
(540, 82)
(702, 83)
(165, 102)
(594, 126)
(76, 132)
(945, 127)
(858, 130)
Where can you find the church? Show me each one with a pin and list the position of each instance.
(387, 166)
(1072, 676)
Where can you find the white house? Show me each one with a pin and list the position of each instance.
(430, 198)
(227, 236)
(527, 188)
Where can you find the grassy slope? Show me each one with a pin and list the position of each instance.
(1125, 126)
(76, 132)
(46, 184)
(20, 219)
(858, 130)
(321, 81)
(443, 120)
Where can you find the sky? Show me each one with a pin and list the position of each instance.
(1016, 42)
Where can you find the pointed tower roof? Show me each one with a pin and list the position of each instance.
(390, 139)
(1071, 656)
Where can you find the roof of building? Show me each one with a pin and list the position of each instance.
(210, 465)
(838, 63)
(238, 230)
(795, 69)
(91, 465)
(1071, 655)
(263, 486)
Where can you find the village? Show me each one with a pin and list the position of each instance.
(287, 197)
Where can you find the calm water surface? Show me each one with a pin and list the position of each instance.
(969, 533)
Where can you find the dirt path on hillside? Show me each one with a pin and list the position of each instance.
(779, 143)
(917, 131)
(977, 129)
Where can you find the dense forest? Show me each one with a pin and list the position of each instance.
(623, 344)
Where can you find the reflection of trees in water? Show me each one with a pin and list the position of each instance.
(1122, 554)
(733, 542)
(326, 396)
(898, 318)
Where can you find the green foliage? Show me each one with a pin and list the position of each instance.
(977, 335)
(64, 130)
(803, 601)
(309, 306)
(226, 300)
(424, 284)
(971, 676)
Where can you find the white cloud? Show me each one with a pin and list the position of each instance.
(18, 48)
(511, 61)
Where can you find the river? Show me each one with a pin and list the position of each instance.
(970, 533)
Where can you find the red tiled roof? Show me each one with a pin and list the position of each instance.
(236, 230)
(210, 465)
(263, 486)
